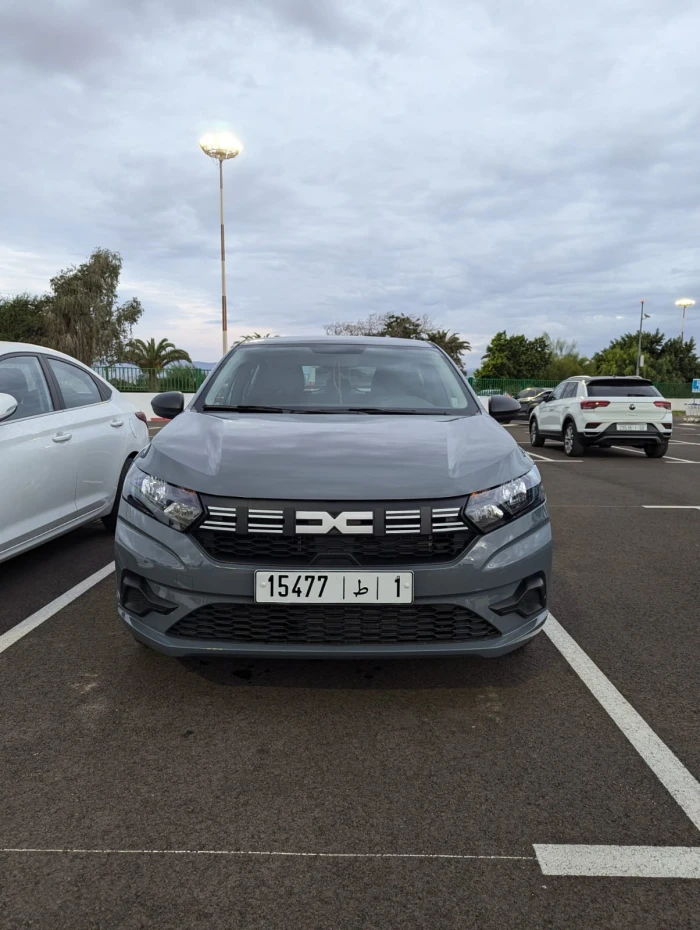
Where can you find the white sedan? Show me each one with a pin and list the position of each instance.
(67, 438)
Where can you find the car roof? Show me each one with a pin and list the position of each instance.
(588, 378)
(6, 347)
(348, 340)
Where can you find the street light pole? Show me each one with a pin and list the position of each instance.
(221, 146)
(639, 344)
(224, 312)
(684, 302)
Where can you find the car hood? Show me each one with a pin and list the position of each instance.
(334, 456)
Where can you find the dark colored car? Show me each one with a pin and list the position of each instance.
(530, 398)
(334, 497)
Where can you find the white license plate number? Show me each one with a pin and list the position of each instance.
(632, 427)
(334, 587)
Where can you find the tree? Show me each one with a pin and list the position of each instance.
(664, 359)
(404, 326)
(515, 357)
(566, 360)
(152, 358)
(82, 314)
(253, 336)
(23, 319)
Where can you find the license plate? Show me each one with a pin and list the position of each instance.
(633, 427)
(334, 587)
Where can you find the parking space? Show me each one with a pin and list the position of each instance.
(145, 792)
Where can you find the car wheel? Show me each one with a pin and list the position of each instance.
(110, 521)
(536, 438)
(657, 450)
(573, 446)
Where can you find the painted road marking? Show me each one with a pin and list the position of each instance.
(256, 852)
(668, 458)
(620, 861)
(670, 507)
(36, 619)
(670, 771)
(536, 457)
(684, 442)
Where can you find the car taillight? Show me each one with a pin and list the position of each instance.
(592, 404)
(140, 415)
(666, 404)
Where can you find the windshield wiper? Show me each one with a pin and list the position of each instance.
(408, 413)
(246, 408)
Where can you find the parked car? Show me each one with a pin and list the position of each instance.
(67, 438)
(530, 398)
(604, 411)
(271, 518)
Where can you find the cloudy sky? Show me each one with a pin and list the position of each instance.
(521, 164)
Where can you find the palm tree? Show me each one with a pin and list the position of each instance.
(152, 358)
(451, 343)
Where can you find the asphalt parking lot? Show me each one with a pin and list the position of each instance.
(145, 792)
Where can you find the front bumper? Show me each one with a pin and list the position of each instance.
(180, 573)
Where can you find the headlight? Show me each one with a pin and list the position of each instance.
(490, 509)
(174, 506)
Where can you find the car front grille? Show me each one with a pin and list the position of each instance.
(334, 550)
(333, 624)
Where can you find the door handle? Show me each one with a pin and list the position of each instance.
(116, 422)
(62, 437)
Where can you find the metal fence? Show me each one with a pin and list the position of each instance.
(189, 379)
(149, 381)
(515, 385)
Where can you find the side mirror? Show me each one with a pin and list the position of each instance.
(8, 405)
(168, 404)
(546, 397)
(503, 408)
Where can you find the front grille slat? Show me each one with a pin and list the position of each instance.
(277, 549)
(333, 624)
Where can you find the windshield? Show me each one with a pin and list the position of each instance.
(340, 377)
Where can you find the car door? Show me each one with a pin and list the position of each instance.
(561, 405)
(99, 431)
(547, 411)
(37, 478)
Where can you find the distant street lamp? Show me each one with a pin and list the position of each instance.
(642, 316)
(221, 146)
(684, 302)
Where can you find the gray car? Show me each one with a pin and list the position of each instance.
(334, 497)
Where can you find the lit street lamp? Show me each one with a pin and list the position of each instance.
(684, 302)
(642, 316)
(221, 146)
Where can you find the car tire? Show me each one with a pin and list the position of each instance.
(573, 447)
(110, 521)
(536, 438)
(656, 450)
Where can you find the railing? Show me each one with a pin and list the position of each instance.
(188, 380)
(515, 385)
(149, 381)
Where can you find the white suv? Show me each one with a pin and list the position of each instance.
(606, 411)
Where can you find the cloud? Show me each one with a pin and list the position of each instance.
(494, 165)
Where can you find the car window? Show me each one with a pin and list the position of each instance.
(620, 388)
(23, 378)
(77, 387)
(570, 389)
(559, 390)
(334, 377)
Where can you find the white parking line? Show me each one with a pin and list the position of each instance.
(684, 442)
(36, 619)
(670, 771)
(256, 852)
(536, 457)
(668, 458)
(670, 507)
(620, 861)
